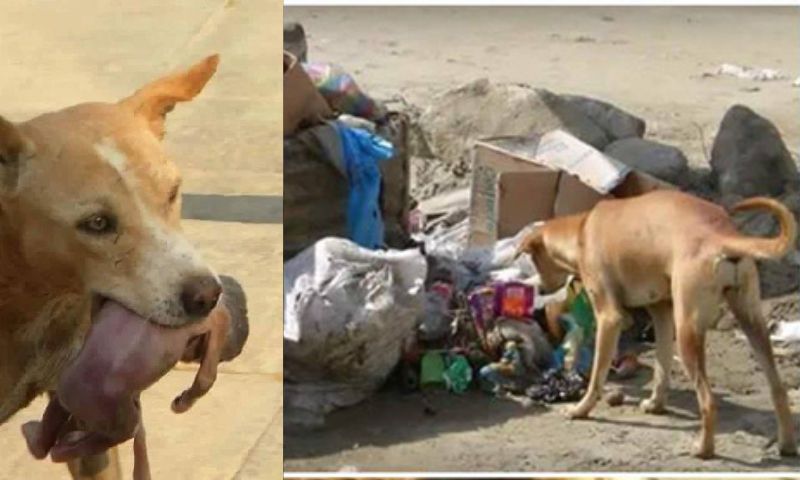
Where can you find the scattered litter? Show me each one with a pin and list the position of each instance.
(747, 73)
(787, 336)
(432, 368)
(558, 386)
(458, 375)
(497, 376)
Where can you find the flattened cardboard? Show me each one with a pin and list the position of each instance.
(302, 103)
(561, 151)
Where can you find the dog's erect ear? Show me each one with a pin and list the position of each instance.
(156, 99)
(14, 150)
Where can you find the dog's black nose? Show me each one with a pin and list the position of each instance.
(199, 295)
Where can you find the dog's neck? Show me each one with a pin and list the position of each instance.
(24, 290)
(563, 243)
(38, 318)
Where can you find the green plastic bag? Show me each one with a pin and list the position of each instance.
(432, 369)
(458, 375)
(583, 313)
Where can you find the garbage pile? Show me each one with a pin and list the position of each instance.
(350, 306)
(345, 157)
(431, 290)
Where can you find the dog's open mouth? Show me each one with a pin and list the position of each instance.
(97, 400)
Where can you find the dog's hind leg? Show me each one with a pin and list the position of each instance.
(745, 303)
(609, 325)
(690, 335)
(664, 326)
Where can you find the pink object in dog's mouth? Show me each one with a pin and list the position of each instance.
(123, 355)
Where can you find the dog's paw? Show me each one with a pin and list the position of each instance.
(702, 451)
(652, 407)
(788, 450)
(575, 413)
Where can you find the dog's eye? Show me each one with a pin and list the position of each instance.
(98, 224)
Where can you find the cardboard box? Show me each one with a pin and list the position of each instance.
(302, 103)
(520, 180)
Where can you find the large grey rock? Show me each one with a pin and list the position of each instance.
(617, 123)
(481, 109)
(749, 157)
(664, 162)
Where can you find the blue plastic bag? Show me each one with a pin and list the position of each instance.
(362, 151)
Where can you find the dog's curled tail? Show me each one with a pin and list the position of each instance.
(774, 247)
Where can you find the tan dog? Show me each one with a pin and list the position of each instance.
(90, 237)
(680, 257)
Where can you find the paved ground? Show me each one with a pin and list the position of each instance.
(227, 142)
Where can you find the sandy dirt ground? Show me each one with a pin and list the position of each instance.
(227, 141)
(649, 61)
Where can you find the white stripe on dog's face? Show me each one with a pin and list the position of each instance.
(108, 151)
(165, 257)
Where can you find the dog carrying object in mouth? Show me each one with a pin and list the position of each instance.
(97, 402)
(123, 355)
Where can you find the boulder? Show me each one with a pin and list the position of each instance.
(482, 109)
(617, 123)
(749, 157)
(664, 162)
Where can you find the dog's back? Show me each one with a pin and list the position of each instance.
(639, 243)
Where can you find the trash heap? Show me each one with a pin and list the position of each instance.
(350, 307)
(431, 292)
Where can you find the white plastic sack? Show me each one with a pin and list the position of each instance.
(348, 311)
(476, 265)
(787, 335)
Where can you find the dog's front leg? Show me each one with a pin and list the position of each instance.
(609, 326)
(103, 466)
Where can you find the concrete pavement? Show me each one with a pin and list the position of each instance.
(227, 142)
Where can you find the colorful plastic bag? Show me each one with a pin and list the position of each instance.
(342, 93)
